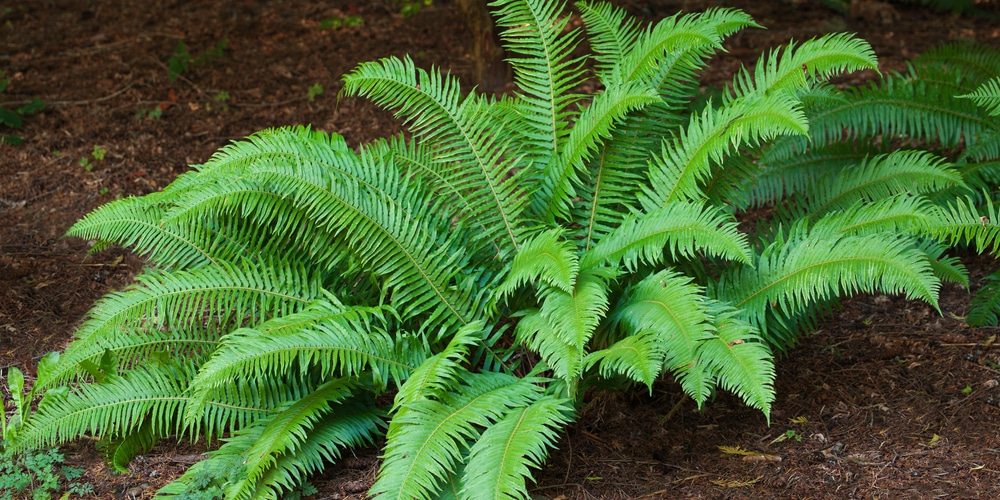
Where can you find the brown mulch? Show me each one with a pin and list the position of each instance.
(887, 399)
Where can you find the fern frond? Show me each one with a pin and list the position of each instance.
(612, 33)
(112, 409)
(498, 462)
(332, 340)
(439, 372)
(427, 439)
(671, 311)
(199, 305)
(884, 176)
(976, 63)
(594, 125)
(119, 451)
(563, 326)
(818, 58)
(470, 143)
(533, 31)
(285, 432)
(962, 222)
(900, 214)
(346, 426)
(136, 222)
(739, 361)
(898, 108)
(984, 308)
(791, 275)
(678, 229)
(543, 258)
(685, 160)
(789, 166)
(987, 96)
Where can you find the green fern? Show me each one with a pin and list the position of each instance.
(492, 265)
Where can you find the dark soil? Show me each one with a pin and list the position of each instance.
(888, 399)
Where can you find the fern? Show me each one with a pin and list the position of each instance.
(502, 258)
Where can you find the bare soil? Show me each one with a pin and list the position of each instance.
(888, 399)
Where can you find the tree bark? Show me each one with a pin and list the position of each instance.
(489, 70)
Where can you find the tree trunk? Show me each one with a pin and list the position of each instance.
(489, 70)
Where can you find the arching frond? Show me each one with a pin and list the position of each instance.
(987, 96)
(440, 371)
(284, 432)
(199, 305)
(973, 62)
(898, 108)
(115, 408)
(665, 315)
(900, 214)
(429, 438)
(685, 160)
(739, 361)
(543, 258)
(137, 223)
(963, 222)
(789, 166)
(498, 462)
(884, 176)
(324, 339)
(791, 275)
(469, 136)
(790, 69)
(594, 125)
(677, 229)
(347, 424)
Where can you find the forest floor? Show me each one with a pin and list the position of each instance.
(887, 399)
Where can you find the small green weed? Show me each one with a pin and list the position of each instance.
(150, 114)
(40, 473)
(97, 154)
(341, 22)
(410, 8)
(220, 98)
(789, 434)
(314, 90)
(14, 118)
(182, 60)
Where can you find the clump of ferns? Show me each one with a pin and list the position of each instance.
(923, 145)
(483, 273)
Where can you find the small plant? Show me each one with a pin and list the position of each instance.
(410, 8)
(148, 114)
(219, 98)
(40, 474)
(182, 60)
(13, 119)
(341, 22)
(97, 154)
(314, 91)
